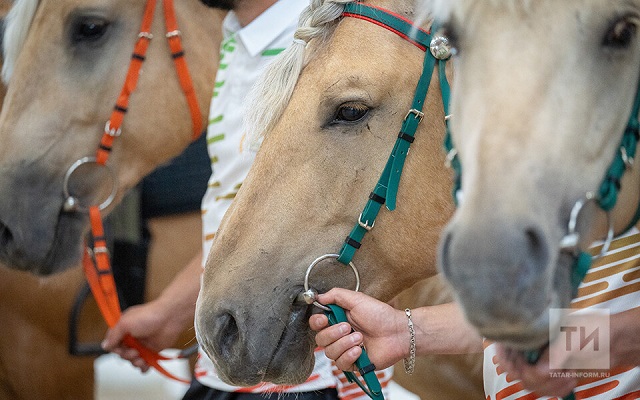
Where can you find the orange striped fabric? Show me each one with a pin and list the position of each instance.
(613, 283)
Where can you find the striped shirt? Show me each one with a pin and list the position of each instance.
(613, 284)
(243, 54)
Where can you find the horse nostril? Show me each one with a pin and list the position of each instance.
(536, 250)
(6, 237)
(227, 334)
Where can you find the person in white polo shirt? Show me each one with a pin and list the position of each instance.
(254, 32)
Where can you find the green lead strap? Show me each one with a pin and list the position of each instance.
(371, 386)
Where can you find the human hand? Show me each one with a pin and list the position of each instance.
(151, 324)
(381, 328)
(538, 377)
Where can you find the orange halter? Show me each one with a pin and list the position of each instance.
(96, 262)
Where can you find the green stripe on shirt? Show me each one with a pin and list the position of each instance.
(215, 138)
(272, 52)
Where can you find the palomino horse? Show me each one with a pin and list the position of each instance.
(535, 129)
(55, 114)
(27, 313)
(310, 180)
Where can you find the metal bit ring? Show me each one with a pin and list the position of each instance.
(308, 289)
(72, 201)
(570, 241)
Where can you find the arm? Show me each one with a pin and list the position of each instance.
(625, 347)
(384, 331)
(158, 323)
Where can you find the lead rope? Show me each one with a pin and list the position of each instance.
(96, 262)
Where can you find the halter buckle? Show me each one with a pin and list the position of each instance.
(100, 250)
(145, 35)
(365, 224)
(175, 33)
(419, 114)
(111, 131)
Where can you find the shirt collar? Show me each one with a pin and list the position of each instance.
(262, 31)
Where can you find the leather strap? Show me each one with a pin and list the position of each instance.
(97, 266)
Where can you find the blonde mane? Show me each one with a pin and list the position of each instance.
(18, 22)
(271, 94)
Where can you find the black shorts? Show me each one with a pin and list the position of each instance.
(198, 391)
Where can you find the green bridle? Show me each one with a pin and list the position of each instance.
(386, 190)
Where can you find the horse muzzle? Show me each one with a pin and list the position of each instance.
(265, 342)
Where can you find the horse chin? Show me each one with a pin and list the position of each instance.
(63, 253)
(526, 337)
(252, 356)
(536, 333)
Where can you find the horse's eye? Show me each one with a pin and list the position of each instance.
(620, 35)
(89, 29)
(351, 112)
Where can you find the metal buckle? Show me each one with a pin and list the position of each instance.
(418, 114)
(145, 35)
(171, 34)
(110, 131)
(365, 224)
(100, 250)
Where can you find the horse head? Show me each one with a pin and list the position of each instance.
(65, 63)
(318, 163)
(542, 95)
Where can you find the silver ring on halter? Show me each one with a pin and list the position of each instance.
(569, 242)
(310, 295)
(71, 203)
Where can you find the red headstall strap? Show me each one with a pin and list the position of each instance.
(96, 263)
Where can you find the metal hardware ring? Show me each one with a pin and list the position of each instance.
(316, 262)
(67, 177)
(570, 241)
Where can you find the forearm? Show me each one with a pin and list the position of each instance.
(442, 329)
(179, 298)
(625, 347)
